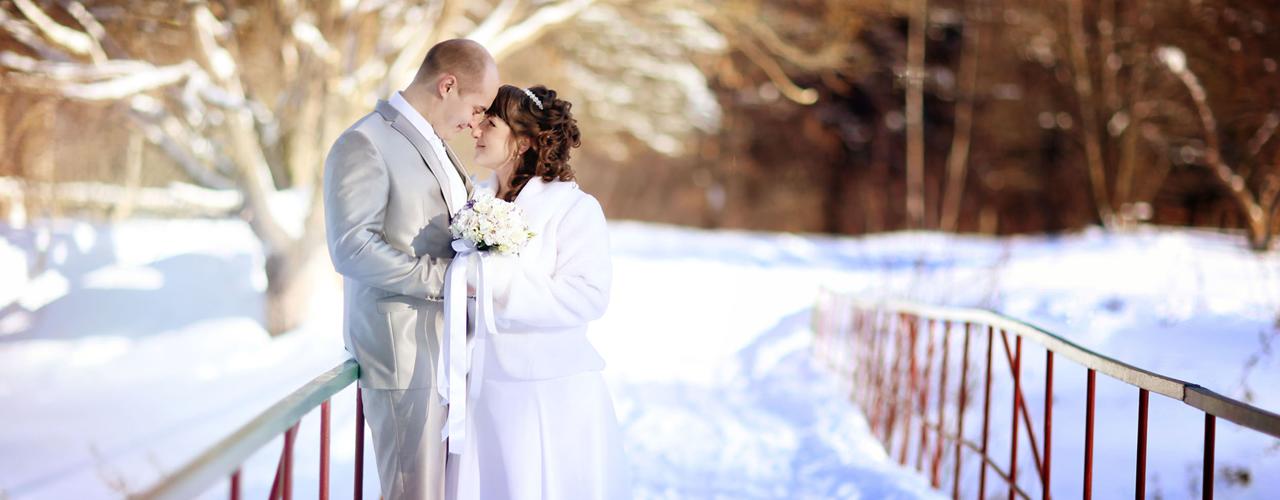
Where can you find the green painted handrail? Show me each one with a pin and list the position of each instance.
(222, 459)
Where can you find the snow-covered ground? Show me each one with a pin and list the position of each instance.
(133, 346)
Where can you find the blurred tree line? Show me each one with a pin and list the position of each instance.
(1034, 117)
(991, 116)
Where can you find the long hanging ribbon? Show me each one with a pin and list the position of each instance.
(452, 367)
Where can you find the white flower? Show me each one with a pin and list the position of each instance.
(491, 224)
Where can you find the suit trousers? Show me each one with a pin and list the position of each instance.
(406, 426)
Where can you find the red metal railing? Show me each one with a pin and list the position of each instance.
(224, 459)
(877, 345)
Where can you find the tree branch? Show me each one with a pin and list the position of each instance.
(73, 41)
(216, 59)
(61, 70)
(1263, 135)
(1175, 60)
(831, 54)
(767, 63)
(533, 27)
(196, 156)
(252, 168)
(97, 33)
(493, 23)
(60, 78)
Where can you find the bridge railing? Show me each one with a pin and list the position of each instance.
(892, 350)
(223, 460)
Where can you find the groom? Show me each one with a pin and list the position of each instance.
(390, 185)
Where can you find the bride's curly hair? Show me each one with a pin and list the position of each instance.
(551, 129)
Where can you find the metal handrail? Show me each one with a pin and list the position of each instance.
(223, 459)
(879, 344)
(1192, 394)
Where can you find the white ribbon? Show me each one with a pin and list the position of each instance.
(453, 365)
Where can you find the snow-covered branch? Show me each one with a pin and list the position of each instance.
(503, 43)
(493, 23)
(24, 34)
(76, 42)
(121, 78)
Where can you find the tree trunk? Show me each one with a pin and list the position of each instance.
(132, 178)
(291, 278)
(1088, 109)
(958, 157)
(915, 113)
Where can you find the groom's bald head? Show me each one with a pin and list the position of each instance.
(466, 60)
(454, 86)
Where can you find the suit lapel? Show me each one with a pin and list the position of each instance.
(402, 125)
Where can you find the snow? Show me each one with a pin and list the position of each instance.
(126, 349)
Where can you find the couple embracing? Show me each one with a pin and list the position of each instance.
(537, 422)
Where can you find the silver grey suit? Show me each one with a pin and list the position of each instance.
(387, 211)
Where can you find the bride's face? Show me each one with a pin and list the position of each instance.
(495, 144)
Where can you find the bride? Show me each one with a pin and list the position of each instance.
(542, 425)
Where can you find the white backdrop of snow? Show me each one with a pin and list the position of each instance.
(136, 345)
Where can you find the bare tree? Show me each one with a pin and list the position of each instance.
(246, 97)
(255, 96)
(1258, 208)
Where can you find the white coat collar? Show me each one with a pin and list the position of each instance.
(532, 189)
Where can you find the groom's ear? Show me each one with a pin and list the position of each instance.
(446, 83)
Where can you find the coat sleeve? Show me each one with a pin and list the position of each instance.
(576, 292)
(356, 186)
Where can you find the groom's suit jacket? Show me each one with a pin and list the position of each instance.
(387, 211)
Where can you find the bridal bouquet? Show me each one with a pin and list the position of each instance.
(485, 224)
(491, 224)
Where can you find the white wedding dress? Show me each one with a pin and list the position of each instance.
(542, 425)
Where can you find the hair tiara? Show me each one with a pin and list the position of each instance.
(534, 98)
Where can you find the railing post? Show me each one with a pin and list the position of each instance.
(1088, 434)
(290, 437)
(1013, 438)
(986, 418)
(359, 480)
(895, 375)
(235, 485)
(324, 450)
(912, 382)
(1140, 477)
(886, 351)
(1210, 422)
(1048, 422)
(871, 394)
(964, 396)
(924, 396)
(934, 478)
(850, 349)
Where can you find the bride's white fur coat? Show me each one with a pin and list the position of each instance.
(543, 425)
